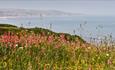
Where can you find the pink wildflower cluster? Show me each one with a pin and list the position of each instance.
(24, 39)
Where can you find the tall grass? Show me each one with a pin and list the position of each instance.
(30, 51)
(38, 49)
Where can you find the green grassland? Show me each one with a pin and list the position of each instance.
(51, 51)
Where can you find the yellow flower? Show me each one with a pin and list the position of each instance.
(89, 48)
(107, 54)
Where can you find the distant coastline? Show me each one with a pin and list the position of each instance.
(17, 13)
(6, 17)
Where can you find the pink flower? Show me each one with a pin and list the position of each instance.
(50, 38)
(109, 61)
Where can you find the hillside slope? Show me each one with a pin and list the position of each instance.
(12, 28)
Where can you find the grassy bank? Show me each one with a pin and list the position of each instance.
(42, 49)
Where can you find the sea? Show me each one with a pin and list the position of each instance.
(95, 27)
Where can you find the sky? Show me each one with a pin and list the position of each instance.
(88, 7)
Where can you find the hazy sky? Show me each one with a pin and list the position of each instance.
(90, 7)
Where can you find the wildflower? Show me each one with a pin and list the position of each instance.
(57, 46)
(21, 48)
(89, 48)
(62, 37)
(109, 61)
(107, 54)
(50, 39)
(90, 68)
(15, 45)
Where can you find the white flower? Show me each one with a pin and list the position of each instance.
(20, 47)
(107, 54)
(16, 45)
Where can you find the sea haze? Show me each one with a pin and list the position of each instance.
(86, 26)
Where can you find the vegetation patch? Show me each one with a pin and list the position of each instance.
(42, 49)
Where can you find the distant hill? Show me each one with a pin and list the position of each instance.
(32, 13)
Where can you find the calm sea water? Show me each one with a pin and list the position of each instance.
(86, 26)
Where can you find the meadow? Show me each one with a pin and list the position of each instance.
(42, 49)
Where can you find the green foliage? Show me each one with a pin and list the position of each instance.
(55, 55)
(50, 58)
(7, 25)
